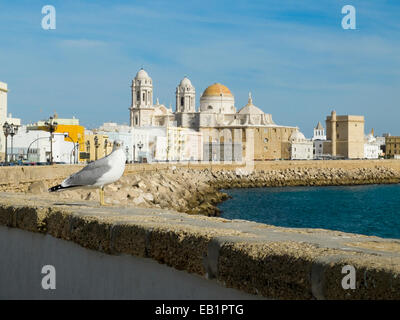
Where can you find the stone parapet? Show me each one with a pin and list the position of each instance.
(282, 263)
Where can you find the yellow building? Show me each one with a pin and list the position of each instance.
(345, 136)
(96, 146)
(71, 129)
(392, 146)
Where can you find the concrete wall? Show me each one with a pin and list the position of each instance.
(88, 274)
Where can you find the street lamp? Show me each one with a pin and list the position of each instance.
(96, 145)
(105, 147)
(88, 149)
(66, 135)
(9, 129)
(52, 125)
(140, 146)
(6, 129)
(14, 131)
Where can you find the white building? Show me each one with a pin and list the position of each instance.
(217, 107)
(156, 143)
(34, 146)
(372, 148)
(301, 148)
(319, 132)
(318, 141)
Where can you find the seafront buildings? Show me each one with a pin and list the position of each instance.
(393, 147)
(216, 130)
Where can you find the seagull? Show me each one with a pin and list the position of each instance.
(97, 174)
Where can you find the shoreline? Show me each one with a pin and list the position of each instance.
(199, 190)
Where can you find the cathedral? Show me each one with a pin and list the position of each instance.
(217, 107)
(217, 117)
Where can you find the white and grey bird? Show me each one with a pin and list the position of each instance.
(97, 174)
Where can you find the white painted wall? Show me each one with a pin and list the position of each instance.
(302, 150)
(88, 274)
(39, 150)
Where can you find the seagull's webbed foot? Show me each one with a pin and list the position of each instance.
(102, 203)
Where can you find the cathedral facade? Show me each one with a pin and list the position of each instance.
(217, 118)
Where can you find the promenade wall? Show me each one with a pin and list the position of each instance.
(165, 254)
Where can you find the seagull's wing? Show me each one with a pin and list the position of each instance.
(89, 175)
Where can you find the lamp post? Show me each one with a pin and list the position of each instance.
(14, 131)
(88, 148)
(77, 153)
(10, 129)
(127, 153)
(105, 147)
(140, 146)
(6, 130)
(66, 135)
(52, 125)
(96, 145)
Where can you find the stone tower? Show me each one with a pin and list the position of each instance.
(185, 96)
(333, 136)
(142, 99)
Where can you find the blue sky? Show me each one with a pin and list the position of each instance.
(292, 55)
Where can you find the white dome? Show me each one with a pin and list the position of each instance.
(250, 108)
(185, 82)
(141, 75)
(297, 136)
(370, 138)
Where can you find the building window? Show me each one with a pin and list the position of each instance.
(182, 101)
(265, 140)
(210, 107)
(138, 96)
(144, 96)
(337, 136)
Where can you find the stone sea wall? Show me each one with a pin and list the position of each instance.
(258, 259)
(273, 262)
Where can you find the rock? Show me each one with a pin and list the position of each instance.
(148, 196)
(139, 200)
(142, 185)
(37, 187)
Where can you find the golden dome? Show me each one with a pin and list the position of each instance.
(217, 89)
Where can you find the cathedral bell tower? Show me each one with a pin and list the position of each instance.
(142, 99)
(185, 96)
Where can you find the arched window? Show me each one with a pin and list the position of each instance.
(136, 120)
(182, 101)
(210, 107)
(138, 96)
(144, 96)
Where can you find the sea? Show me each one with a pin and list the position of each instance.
(372, 210)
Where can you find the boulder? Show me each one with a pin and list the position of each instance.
(37, 187)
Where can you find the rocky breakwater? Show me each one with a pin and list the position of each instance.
(196, 191)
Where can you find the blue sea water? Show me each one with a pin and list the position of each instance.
(368, 209)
